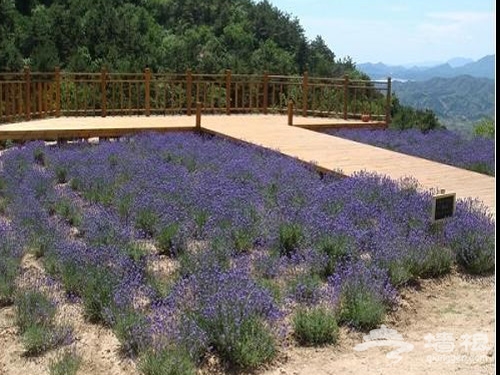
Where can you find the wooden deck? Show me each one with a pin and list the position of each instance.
(271, 131)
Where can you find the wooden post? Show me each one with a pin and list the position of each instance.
(189, 90)
(27, 104)
(290, 112)
(57, 79)
(198, 115)
(103, 92)
(265, 87)
(346, 94)
(305, 96)
(147, 89)
(389, 102)
(228, 92)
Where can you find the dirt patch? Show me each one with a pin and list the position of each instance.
(450, 323)
(97, 345)
(456, 311)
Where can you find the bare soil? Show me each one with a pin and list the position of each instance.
(456, 309)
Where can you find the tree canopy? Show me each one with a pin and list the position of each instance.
(164, 35)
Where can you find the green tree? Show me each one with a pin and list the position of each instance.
(10, 56)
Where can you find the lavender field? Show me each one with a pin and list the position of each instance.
(194, 245)
(444, 146)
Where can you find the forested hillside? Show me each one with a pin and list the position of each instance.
(458, 101)
(164, 35)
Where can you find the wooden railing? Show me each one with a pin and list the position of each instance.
(28, 95)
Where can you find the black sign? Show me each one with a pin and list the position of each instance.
(443, 206)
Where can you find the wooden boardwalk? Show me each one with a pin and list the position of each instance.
(271, 131)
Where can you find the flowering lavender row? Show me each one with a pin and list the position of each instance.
(254, 234)
(444, 146)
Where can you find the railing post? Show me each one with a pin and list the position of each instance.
(305, 95)
(57, 78)
(198, 115)
(103, 92)
(265, 87)
(346, 94)
(27, 98)
(389, 102)
(147, 88)
(290, 112)
(189, 91)
(228, 92)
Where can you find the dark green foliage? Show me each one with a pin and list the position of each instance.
(172, 361)
(290, 236)
(61, 174)
(166, 239)
(317, 326)
(147, 221)
(437, 262)
(406, 117)
(35, 314)
(208, 37)
(249, 346)
(336, 247)
(126, 327)
(67, 363)
(97, 295)
(362, 309)
(455, 101)
(65, 208)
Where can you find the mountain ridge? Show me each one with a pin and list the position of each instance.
(457, 101)
(482, 68)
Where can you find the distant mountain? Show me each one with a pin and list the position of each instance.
(483, 68)
(457, 62)
(458, 100)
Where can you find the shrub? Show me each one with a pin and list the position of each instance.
(97, 294)
(316, 326)
(364, 293)
(337, 247)
(252, 346)
(305, 289)
(437, 262)
(65, 208)
(9, 268)
(471, 236)
(33, 308)
(170, 361)
(128, 328)
(290, 236)
(39, 156)
(147, 221)
(66, 363)
(61, 174)
(166, 239)
(361, 309)
(35, 319)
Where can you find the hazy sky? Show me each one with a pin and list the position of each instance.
(399, 31)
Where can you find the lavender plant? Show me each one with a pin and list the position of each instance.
(252, 234)
(476, 153)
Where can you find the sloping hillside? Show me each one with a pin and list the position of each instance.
(462, 99)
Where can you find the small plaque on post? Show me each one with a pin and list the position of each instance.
(443, 206)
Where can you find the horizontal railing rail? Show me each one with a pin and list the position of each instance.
(28, 95)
